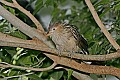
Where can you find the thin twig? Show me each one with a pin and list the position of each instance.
(5, 78)
(27, 68)
(7, 3)
(100, 24)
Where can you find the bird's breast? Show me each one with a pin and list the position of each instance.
(67, 42)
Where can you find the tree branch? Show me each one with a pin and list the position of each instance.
(100, 24)
(73, 64)
(6, 65)
(6, 40)
(6, 78)
(85, 67)
(16, 5)
(80, 76)
(31, 32)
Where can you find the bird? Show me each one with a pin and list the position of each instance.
(67, 38)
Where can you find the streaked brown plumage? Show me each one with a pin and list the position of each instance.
(67, 38)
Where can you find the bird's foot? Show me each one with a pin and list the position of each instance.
(71, 54)
(59, 53)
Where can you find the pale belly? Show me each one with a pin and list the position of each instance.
(66, 44)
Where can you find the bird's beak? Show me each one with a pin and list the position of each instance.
(48, 34)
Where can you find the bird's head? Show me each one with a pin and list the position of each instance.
(55, 28)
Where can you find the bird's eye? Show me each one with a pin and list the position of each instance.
(53, 28)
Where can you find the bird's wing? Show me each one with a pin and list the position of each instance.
(80, 41)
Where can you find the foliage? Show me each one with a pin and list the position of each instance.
(75, 12)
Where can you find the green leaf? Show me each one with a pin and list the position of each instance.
(70, 71)
(117, 6)
(11, 52)
(57, 75)
(19, 35)
(25, 60)
(103, 2)
(105, 11)
(118, 41)
(34, 77)
(12, 72)
(23, 78)
(51, 78)
(12, 10)
(49, 2)
(38, 6)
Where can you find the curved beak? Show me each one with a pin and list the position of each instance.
(48, 34)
